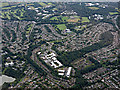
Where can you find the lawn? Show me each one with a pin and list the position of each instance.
(42, 4)
(54, 18)
(113, 13)
(4, 4)
(8, 16)
(17, 16)
(93, 8)
(49, 3)
(13, 13)
(13, 6)
(30, 27)
(61, 26)
(6, 8)
(85, 19)
(55, 9)
(74, 19)
(22, 12)
(64, 18)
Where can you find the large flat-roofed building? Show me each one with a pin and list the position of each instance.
(61, 74)
(69, 71)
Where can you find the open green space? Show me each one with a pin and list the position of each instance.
(49, 3)
(61, 26)
(29, 27)
(73, 19)
(14, 14)
(13, 6)
(4, 4)
(93, 8)
(43, 4)
(113, 13)
(17, 17)
(85, 19)
(4, 8)
(64, 18)
(54, 18)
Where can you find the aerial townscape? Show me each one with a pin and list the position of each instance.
(60, 45)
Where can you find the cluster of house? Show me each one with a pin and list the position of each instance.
(98, 17)
(44, 13)
(95, 4)
(51, 60)
(69, 12)
(105, 75)
(9, 64)
(36, 9)
(91, 4)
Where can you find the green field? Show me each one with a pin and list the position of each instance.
(8, 14)
(55, 9)
(4, 4)
(29, 27)
(113, 13)
(13, 6)
(49, 3)
(64, 18)
(43, 4)
(54, 18)
(85, 19)
(17, 17)
(61, 26)
(73, 19)
(3, 8)
(93, 8)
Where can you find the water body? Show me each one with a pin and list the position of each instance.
(6, 79)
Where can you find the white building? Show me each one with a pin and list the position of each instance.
(9, 64)
(56, 65)
(61, 74)
(69, 71)
(59, 70)
(39, 53)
